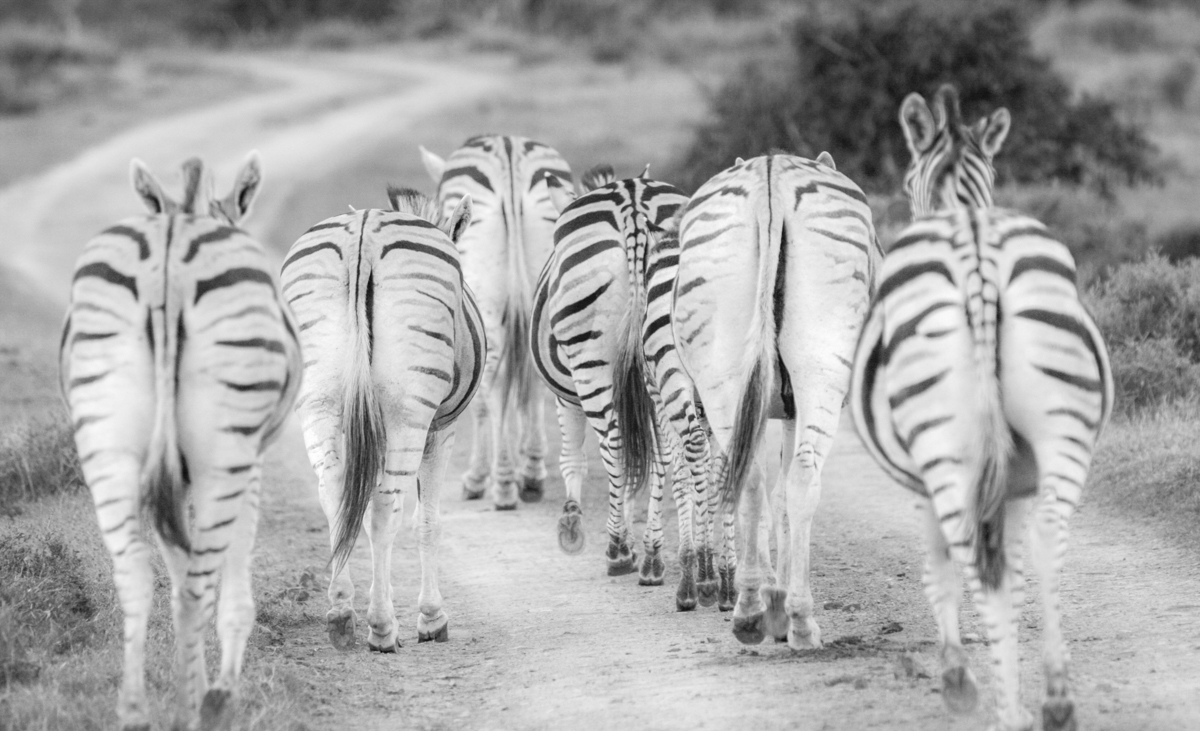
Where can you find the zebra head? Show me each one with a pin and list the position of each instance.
(951, 163)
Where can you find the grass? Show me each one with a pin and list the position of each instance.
(37, 458)
(1147, 467)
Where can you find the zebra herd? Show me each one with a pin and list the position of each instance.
(673, 326)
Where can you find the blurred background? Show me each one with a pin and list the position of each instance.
(337, 94)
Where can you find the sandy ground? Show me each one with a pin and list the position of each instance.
(539, 639)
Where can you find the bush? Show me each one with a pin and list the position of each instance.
(44, 604)
(1126, 32)
(38, 458)
(32, 59)
(842, 90)
(1176, 83)
(1149, 314)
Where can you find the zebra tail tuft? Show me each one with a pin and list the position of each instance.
(748, 428)
(515, 373)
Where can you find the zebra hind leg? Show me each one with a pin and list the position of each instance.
(533, 449)
(960, 692)
(432, 622)
(478, 477)
(573, 465)
(1049, 542)
(652, 569)
(621, 556)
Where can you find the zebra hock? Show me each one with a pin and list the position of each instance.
(982, 384)
(179, 363)
(394, 350)
(502, 252)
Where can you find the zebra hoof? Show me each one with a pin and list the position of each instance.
(472, 494)
(532, 489)
(622, 560)
(339, 623)
(685, 594)
(384, 645)
(706, 592)
(1058, 714)
(435, 630)
(504, 506)
(652, 570)
(216, 711)
(959, 691)
(804, 634)
(775, 619)
(749, 630)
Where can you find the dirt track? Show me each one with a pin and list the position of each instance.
(544, 640)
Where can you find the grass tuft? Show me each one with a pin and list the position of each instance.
(38, 458)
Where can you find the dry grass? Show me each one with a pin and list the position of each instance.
(61, 638)
(1147, 467)
(37, 458)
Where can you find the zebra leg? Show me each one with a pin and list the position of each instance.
(775, 597)
(113, 478)
(621, 556)
(533, 447)
(748, 614)
(403, 459)
(478, 475)
(727, 559)
(573, 464)
(323, 438)
(432, 622)
(235, 608)
(193, 597)
(504, 476)
(1000, 608)
(1049, 541)
(652, 568)
(959, 689)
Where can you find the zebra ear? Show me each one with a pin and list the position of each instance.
(149, 189)
(434, 165)
(993, 131)
(560, 197)
(645, 173)
(827, 160)
(459, 219)
(237, 204)
(917, 122)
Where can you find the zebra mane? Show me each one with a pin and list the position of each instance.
(193, 178)
(413, 202)
(598, 176)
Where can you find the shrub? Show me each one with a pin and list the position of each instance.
(1176, 83)
(44, 604)
(38, 458)
(842, 89)
(32, 58)
(1126, 32)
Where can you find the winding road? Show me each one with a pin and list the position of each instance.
(539, 639)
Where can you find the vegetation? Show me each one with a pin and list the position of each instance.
(39, 63)
(841, 89)
(38, 458)
(1149, 313)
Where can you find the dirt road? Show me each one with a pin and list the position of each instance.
(539, 639)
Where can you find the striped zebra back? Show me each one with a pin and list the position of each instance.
(602, 244)
(154, 298)
(409, 274)
(951, 165)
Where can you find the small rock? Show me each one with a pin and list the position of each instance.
(891, 628)
(860, 683)
(852, 608)
(833, 605)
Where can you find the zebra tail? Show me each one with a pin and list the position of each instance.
(363, 426)
(515, 373)
(990, 483)
(164, 486)
(751, 420)
(632, 403)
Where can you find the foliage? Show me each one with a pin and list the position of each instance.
(1179, 243)
(1149, 314)
(44, 604)
(1177, 82)
(842, 88)
(38, 458)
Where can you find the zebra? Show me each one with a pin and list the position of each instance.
(777, 264)
(982, 384)
(394, 348)
(508, 242)
(589, 307)
(179, 362)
